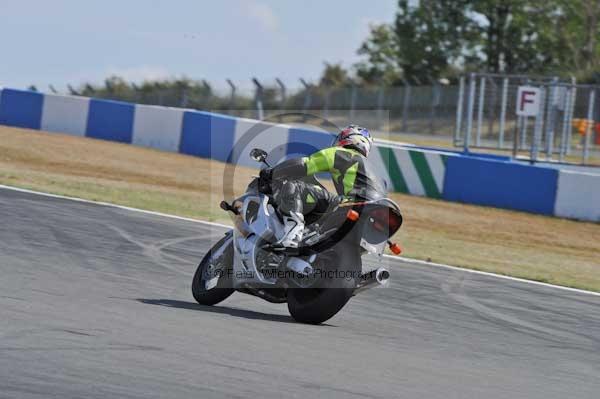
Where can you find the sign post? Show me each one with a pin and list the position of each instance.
(537, 129)
(529, 103)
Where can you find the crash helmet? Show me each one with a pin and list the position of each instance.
(356, 137)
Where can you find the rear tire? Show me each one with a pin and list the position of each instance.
(223, 289)
(316, 305)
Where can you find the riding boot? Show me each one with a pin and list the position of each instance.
(294, 230)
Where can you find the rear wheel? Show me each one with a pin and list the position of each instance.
(212, 280)
(340, 266)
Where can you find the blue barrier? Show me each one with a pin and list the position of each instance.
(466, 154)
(305, 142)
(195, 134)
(500, 184)
(207, 135)
(21, 108)
(483, 179)
(110, 120)
(494, 157)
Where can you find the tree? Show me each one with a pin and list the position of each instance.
(433, 38)
(334, 75)
(578, 30)
(381, 51)
(424, 41)
(516, 36)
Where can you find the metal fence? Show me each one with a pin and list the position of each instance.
(563, 129)
(412, 107)
(401, 109)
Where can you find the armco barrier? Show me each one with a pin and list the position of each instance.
(484, 180)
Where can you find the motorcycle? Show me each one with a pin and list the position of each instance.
(318, 278)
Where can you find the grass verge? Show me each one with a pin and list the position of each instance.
(540, 248)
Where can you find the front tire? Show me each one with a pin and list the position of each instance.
(206, 269)
(318, 304)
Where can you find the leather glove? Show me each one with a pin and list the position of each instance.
(264, 180)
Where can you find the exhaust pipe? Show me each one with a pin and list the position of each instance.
(299, 266)
(375, 278)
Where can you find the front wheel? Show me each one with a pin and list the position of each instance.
(212, 281)
(340, 266)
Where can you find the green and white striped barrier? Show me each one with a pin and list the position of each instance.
(416, 172)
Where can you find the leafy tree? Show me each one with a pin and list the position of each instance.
(516, 36)
(334, 75)
(381, 52)
(424, 41)
(578, 30)
(433, 38)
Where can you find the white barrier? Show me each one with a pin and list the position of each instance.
(578, 196)
(65, 114)
(272, 138)
(157, 127)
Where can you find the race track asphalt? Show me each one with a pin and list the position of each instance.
(95, 302)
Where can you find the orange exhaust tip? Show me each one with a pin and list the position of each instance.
(395, 248)
(352, 215)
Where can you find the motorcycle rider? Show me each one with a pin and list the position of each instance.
(296, 195)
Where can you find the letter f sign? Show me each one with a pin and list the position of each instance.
(528, 101)
(526, 97)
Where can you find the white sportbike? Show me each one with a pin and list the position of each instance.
(316, 279)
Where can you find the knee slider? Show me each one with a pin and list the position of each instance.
(289, 190)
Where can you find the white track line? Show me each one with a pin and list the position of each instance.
(391, 257)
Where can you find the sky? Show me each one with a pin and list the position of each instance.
(73, 41)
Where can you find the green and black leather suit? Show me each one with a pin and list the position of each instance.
(296, 190)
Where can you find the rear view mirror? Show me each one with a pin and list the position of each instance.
(258, 155)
